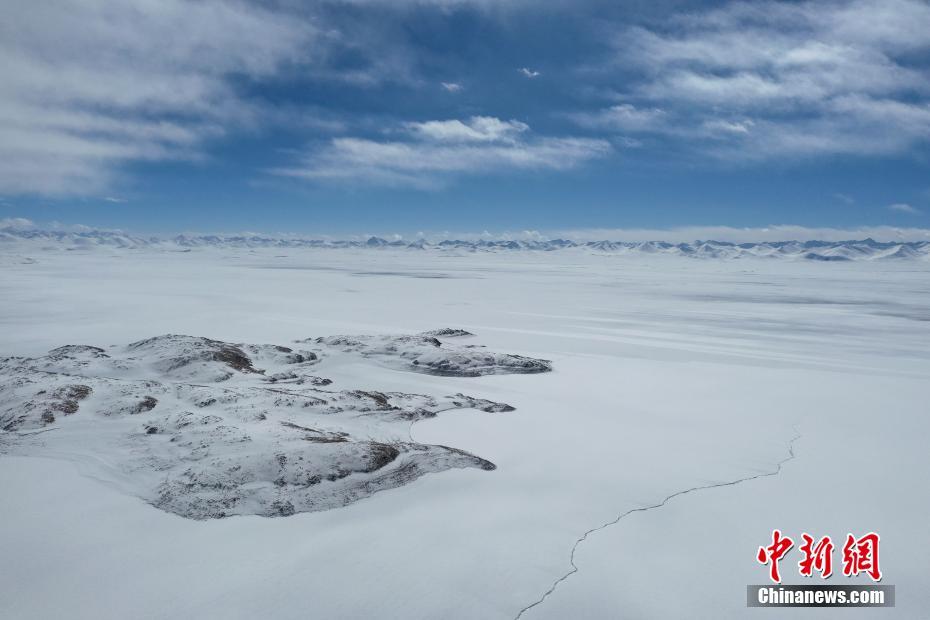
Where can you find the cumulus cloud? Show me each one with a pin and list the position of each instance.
(901, 207)
(432, 151)
(529, 73)
(90, 86)
(781, 79)
(452, 87)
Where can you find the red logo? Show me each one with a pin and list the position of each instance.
(860, 555)
(817, 557)
(773, 554)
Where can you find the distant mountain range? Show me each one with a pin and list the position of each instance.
(863, 249)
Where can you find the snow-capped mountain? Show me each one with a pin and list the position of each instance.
(828, 251)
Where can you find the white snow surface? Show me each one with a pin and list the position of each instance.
(667, 375)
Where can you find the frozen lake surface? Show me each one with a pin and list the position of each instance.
(668, 374)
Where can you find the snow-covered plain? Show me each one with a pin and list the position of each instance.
(668, 374)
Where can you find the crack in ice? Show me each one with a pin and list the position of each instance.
(574, 568)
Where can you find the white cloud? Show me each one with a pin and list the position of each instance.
(452, 87)
(475, 129)
(90, 86)
(434, 150)
(718, 126)
(843, 126)
(626, 142)
(624, 117)
(902, 207)
(784, 79)
(526, 72)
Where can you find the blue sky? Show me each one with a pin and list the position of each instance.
(369, 116)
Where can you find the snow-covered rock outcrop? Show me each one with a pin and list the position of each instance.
(425, 353)
(206, 429)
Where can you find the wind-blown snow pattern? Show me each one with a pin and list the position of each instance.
(827, 251)
(208, 429)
